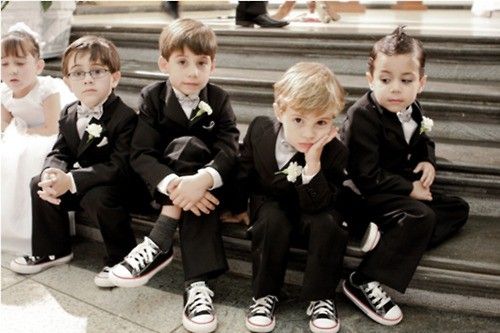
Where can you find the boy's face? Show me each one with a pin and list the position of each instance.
(395, 81)
(189, 72)
(19, 73)
(302, 130)
(91, 91)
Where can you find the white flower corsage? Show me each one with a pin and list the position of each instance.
(94, 131)
(426, 125)
(292, 172)
(202, 108)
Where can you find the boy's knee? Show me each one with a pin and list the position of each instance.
(186, 154)
(34, 185)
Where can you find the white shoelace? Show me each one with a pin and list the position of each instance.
(141, 255)
(378, 296)
(321, 307)
(199, 299)
(263, 305)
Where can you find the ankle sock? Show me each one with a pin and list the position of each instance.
(163, 232)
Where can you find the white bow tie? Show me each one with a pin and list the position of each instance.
(405, 115)
(85, 112)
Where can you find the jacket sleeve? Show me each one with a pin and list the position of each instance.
(60, 157)
(364, 159)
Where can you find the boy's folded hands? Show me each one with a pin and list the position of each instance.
(54, 183)
(191, 193)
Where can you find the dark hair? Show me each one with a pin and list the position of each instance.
(196, 36)
(19, 44)
(398, 42)
(100, 49)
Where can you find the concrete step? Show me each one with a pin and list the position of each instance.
(466, 268)
(455, 58)
(464, 112)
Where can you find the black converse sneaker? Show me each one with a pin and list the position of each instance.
(373, 301)
(36, 264)
(199, 313)
(102, 279)
(260, 317)
(140, 265)
(323, 317)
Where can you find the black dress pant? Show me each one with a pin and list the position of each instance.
(408, 228)
(104, 205)
(272, 234)
(203, 255)
(248, 10)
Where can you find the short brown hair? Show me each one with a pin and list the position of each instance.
(100, 49)
(398, 42)
(309, 87)
(20, 44)
(194, 35)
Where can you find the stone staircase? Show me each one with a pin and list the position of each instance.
(462, 96)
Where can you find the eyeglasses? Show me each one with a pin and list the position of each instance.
(94, 73)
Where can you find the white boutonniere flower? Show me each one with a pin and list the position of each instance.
(202, 108)
(426, 125)
(292, 172)
(94, 131)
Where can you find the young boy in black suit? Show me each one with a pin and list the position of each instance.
(184, 148)
(292, 168)
(88, 167)
(392, 163)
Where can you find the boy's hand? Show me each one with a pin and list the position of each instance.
(190, 190)
(228, 217)
(428, 173)
(313, 155)
(205, 205)
(55, 179)
(420, 192)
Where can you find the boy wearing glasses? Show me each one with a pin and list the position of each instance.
(88, 165)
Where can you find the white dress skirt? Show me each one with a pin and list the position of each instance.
(22, 158)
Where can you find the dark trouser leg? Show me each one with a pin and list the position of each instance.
(105, 206)
(451, 215)
(270, 246)
(325, 255)
(407, 226)
(247, 10)
(203, 254)
(50, 224)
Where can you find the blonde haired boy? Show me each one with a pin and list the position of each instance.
(291, 168)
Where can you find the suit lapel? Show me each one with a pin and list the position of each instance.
(68, 128)
(417, 116)
(267, 144)
(203, 97)
(107, 113)
(173, 109)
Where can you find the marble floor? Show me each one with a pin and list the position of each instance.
(65, 299)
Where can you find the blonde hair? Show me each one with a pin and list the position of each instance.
(309, 87)
(194, 35)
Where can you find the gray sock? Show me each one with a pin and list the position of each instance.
(163, 232)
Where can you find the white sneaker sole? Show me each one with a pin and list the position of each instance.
(119, 281)
(32, 269)
(103, 282)
(199, 328)
(369, 312)
(370, 238)
(316, 329)
(260, 328)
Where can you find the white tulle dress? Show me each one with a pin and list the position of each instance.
(22, 157)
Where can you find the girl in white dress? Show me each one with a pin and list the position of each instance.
(30, 112)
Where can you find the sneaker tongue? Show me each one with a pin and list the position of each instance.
(197, 284)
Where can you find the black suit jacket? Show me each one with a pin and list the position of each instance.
(380, 159)
(258, 177)
(100, 163)
(161, 122)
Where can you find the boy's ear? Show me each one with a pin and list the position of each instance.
(212, 68)
(40, 64)
(163, 64)
(66, 80)
(369, 78)
(115, 78)
(277, 111)
(423, 81)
